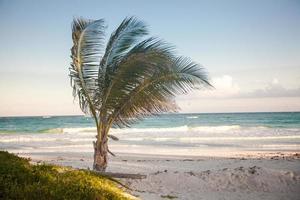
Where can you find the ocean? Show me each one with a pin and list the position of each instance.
(166, 134)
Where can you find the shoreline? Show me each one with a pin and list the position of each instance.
(240, 175)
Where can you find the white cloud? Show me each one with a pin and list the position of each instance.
(275, 81)
(226, 87)
(228, 96)
(241, 105)
(272, 89)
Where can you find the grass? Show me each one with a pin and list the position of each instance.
(21, 180)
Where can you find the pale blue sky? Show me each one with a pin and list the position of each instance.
(251, 50)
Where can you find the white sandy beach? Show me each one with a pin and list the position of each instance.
(228, 175)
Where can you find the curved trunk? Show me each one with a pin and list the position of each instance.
(101, 153)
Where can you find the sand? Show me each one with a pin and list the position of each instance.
(243, 175)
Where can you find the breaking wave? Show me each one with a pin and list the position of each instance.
(198, 131)
(146, 130)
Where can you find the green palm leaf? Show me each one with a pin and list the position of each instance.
(120, 41)
(88, 37)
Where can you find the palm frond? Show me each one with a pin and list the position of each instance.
(134, 67)
(148, 79)
(122, 39)
(88, 37)
(129, 32)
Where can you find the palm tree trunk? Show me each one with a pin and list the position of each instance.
(101, 153)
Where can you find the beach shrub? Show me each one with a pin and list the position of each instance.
(21, 180)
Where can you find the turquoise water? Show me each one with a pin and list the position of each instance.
(175, 134)
(46, 123)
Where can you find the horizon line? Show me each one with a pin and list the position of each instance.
(156, 114)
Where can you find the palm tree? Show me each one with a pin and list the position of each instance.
(132, 77)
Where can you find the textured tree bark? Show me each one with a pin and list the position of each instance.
(100, 154)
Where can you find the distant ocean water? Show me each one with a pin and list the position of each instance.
(165, 134)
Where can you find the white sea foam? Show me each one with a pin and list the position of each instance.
(148, 130)
(196, 139)
(216, 128)
(47, 117)
(117, 130)
(164, 140)
(71, 130)
(192, 117)
(174, 132)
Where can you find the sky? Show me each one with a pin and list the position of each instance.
(251, 50)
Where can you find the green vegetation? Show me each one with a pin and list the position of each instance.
(21, 180)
